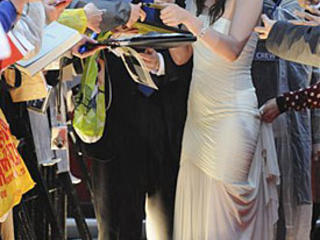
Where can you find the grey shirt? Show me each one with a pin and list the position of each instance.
(116, 12)
(295, 43)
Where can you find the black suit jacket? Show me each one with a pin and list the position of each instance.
(295, 43)
(139, 126)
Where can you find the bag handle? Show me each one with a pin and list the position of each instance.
(17, 78)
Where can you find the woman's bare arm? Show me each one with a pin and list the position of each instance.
(181, 55)
(245, 17)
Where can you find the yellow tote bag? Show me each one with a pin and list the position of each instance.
(15, 179)
(31, 88)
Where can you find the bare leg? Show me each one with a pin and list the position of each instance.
(7, 228)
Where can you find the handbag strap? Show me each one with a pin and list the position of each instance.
(17, 78)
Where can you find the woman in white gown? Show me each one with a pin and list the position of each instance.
(228, 172)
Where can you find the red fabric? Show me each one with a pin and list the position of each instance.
(17, 53)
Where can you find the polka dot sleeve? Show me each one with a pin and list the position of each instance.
(301, 99)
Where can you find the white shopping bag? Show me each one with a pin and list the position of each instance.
(4, 45)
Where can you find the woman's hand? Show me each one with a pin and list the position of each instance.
(173, 15)
(85, 39)
(94, 17)
(136, 14)
(266, 29)
(151, 59)
(269, 111)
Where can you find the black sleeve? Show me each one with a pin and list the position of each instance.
(295, 43)
(77, 4)
(281, 102)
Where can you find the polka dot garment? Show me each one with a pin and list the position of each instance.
(301, 99)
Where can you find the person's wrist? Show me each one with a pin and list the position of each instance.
(281, 103)
(19, 5)
(272, 23)
(194, 25)
(271, 26)
(187, 19)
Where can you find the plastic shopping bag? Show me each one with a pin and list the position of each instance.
(15, 179)
(90, 112)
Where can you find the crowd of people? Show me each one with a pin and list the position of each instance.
(228, 147)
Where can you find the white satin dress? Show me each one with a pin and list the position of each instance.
(228, 172)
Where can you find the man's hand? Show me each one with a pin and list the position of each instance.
(85, 39)
(151, 59)
(94, 17)
(264, 31)
(306, 3)
(314, 9)
(309, 19)
(136, 14)
(269, 111)
(54, 12)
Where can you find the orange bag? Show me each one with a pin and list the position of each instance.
(15, 179)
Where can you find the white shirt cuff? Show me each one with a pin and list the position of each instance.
(161, 71)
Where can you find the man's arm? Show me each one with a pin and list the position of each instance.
(295, 43)
(9, 11)
(115, 13)
(31, 25)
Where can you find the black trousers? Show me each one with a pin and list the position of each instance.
(140, 150)
(121, 190)
(315, 232)
(138, 178)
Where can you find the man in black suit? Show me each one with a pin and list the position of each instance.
(136, 162)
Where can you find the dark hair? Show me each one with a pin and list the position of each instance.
(215, 11)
